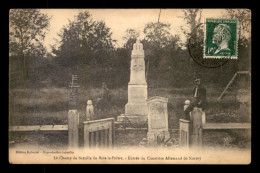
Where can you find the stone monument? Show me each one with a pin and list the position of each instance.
(136, 108)
(157, 119)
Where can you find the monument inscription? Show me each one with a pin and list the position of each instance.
(157, 117)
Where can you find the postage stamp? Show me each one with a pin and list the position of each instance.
(221, 39)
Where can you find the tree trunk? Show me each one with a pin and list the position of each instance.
(147, 69)
(25, 74)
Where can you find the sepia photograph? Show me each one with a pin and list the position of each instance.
(129, 86)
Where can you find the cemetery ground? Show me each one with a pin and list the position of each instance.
(49, 106)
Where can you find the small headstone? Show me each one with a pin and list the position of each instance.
(89, 111)
(157, 119)
(186, 105)
(243, 96)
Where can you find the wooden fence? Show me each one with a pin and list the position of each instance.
(99, 133)
(191, 132)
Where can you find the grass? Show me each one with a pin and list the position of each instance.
(45, 106)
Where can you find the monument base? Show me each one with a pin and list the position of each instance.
(132, 118)
(151, 136)
(139, 109)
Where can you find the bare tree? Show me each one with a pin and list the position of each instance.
(192, 18)
(131, 34)
(243, 17)
(130, 37)
(158, 34)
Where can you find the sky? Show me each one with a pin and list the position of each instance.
(119, 20)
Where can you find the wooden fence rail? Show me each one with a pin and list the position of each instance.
(191, 132)
(226, 126)
(43, 128)
(99, 133)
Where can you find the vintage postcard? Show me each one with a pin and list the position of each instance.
(129, 86)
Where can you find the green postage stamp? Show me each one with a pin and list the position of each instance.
(221, 38)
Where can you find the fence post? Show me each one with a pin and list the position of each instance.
(185, 131)
(197, 127)
(113, 133)
(203, 117)
(73, 122)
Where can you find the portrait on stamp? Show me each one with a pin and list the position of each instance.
(221, 38)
